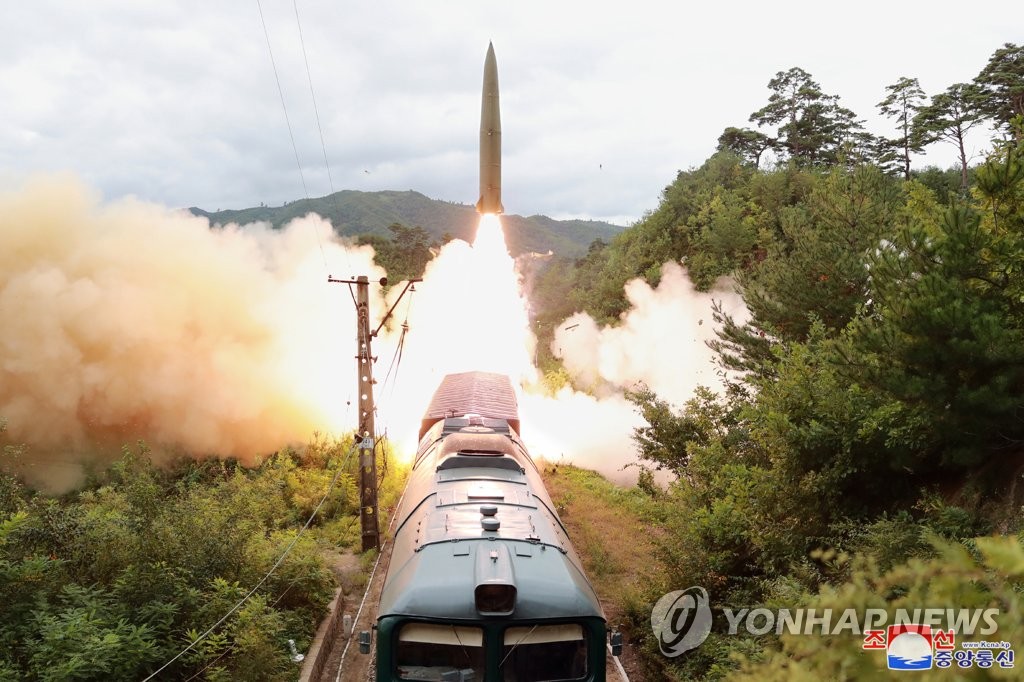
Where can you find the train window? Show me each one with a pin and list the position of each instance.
(428, 651)
(544, 653)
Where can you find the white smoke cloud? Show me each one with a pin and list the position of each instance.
(581, 429)
(130, 320)
(660, 341)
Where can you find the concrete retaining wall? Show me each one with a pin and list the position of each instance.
(328, 635)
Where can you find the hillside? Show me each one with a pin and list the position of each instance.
(361, 213)
(868, 451)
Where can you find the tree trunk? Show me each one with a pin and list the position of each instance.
(963, 161)
(906, 146)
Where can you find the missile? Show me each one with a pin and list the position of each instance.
(490, 140)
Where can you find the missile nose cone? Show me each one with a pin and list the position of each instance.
(490, 139)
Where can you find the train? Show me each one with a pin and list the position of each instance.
(483, 583)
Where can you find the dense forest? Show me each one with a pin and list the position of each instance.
(873, 428)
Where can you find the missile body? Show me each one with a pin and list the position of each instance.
(490, 140)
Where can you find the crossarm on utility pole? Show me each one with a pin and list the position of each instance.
(394, 305)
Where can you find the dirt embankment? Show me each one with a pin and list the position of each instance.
(606, 525)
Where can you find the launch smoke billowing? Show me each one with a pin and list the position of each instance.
(128, 321)
(661, 341)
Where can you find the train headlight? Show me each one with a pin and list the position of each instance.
(495, 600)
(495, 590)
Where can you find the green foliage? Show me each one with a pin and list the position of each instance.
(874, 417)
(815, 267)
(1001, 87)
(115, 580)
(708, 218)
(940, 339)
(748, 144)
(725, 233)
(406, 254)
(875, 406)
(903, 103)
(953, 578)
(549, 285)
(87, 635)
(949, 116)
(667, 440)
(812, 128)
(943, 183)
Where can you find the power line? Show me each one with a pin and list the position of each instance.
(320, 129)
(233, 644)
(288, 123)
(369, 583)
(316, 110)
(284, 107)
(396, 360)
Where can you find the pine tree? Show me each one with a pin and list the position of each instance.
(812, 127)
(1001, 87)
(903, 102)
(949, 116)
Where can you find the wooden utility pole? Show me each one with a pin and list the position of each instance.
(367, 451)
(365, 431)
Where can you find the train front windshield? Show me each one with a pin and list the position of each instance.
(440, 652)
(543, 653)
(435, 652)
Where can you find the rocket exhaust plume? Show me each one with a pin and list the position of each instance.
(128, 320)
(490, 140)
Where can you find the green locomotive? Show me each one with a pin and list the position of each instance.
(483, 583)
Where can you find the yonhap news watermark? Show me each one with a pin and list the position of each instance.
(832, 622)
(913, 639)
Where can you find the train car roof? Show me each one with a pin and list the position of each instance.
(484, 394)
(475, 510)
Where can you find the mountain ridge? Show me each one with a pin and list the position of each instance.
(354, 212)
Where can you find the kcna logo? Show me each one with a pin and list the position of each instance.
(681, 620)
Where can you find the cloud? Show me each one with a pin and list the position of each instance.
(177, 103)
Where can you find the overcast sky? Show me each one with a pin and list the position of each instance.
(602, 103)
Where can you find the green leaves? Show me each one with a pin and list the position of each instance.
(748, 144)
(89, 637)
(114, 583)
(667, 440)
(1003, 554)
(812, 128)
(815, 269)
(903, 103)
(950, 116)
(1001, 86)
(953, 580)
(10, 524)
(875, 409)
(936, 337)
